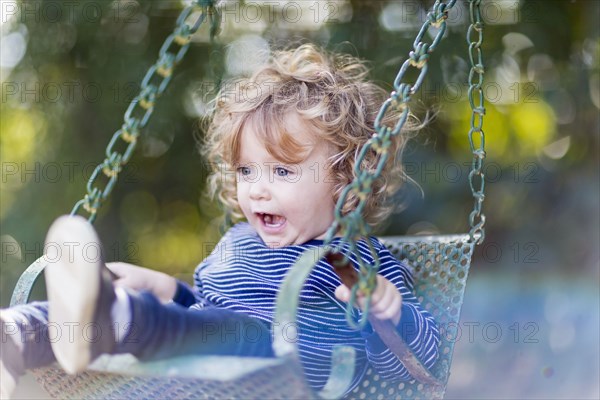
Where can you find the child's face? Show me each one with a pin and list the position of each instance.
(286, 204)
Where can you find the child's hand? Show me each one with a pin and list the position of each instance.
(386, 301)
(160, 284)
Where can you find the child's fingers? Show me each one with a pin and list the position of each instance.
(116, 268)
(381, 292)
(127, 281)
(384, 298)
(387, 301)
(342, 293)
(392, 310)
(121, 269)
(128, 275)
(122, 282)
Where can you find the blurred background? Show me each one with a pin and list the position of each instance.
(530, 322)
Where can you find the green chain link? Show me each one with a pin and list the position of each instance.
(352, 225)
(141, 107)
(476, 176)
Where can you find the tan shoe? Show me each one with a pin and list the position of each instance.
(80, 293)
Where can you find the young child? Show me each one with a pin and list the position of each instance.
(283, 145)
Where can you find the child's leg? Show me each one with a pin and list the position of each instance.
(25, 343)
(82, 297)
(27, 325)
(80, 293)
(159, 331)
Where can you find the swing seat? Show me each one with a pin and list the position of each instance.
(439, 265)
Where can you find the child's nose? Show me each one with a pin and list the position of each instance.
(259, 190)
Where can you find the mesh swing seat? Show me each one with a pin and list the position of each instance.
(439, 264)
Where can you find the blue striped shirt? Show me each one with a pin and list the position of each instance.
(244, 275)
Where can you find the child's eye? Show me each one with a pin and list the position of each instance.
(280, 171)
(244, 170)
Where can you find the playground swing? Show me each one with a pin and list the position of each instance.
(439, 264)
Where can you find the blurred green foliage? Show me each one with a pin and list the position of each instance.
(69, 72)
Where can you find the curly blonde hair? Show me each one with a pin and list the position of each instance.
(330, 92)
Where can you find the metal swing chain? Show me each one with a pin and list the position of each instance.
(352, 225)
(476, 176)
(141, 107)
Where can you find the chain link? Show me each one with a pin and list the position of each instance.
(352, 225)
(476, 101)
(140, 109)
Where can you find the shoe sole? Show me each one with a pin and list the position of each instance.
(73, 277)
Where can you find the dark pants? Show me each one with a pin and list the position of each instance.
(157, 331)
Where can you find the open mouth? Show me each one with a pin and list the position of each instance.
(272, 220)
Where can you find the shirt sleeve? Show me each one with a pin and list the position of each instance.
(417, 326)
(186, 295)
